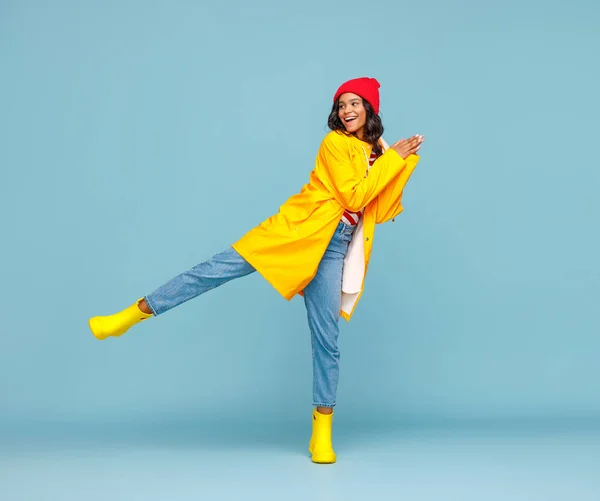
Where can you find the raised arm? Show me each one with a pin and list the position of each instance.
(344, 167)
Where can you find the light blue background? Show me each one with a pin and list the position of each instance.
(140, 138)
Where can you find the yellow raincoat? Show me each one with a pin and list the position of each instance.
(286, 248)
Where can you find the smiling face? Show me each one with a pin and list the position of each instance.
(352, 113)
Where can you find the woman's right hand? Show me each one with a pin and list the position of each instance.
(407, 147)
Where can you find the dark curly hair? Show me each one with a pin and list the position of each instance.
(373, 127)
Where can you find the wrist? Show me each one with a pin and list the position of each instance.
(396, 152)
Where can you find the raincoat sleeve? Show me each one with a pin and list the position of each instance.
(388, 203)
(344, 168)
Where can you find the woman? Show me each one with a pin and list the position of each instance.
(318, 245)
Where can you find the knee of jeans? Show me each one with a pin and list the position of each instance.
(329, 349)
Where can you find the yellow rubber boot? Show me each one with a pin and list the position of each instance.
(320, 443)
(118, 323)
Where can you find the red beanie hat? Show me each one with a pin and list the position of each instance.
(367, 88)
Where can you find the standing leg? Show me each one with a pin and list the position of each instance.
(206, 276)
(323, 298)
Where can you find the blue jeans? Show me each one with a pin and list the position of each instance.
(322, 297)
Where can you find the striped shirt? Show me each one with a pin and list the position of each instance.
(352, 218)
